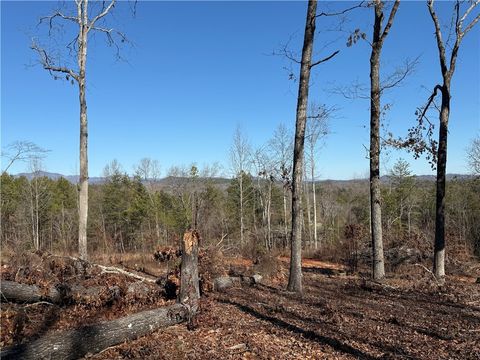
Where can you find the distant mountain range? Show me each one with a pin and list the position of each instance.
(171, 180)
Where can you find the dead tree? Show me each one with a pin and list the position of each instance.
(87, 24)
(189, 284)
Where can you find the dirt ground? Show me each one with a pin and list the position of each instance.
(338, 317)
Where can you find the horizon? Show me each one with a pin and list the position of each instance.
(183, 90)
(226, 176)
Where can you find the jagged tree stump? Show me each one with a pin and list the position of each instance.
(189, 281)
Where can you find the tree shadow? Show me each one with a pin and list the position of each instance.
(308, 334)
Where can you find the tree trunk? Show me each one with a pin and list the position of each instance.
(83, 181)
(439, 248)
(378, 267)
(295, 277)
(285, 221)
(76, 343)
(315, 236)
(242, 225)
(189, 285)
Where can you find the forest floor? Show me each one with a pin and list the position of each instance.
(338, 317)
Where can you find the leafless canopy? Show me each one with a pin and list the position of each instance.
(22, 151)
(420, 139)
(90, 24)
(293, 57)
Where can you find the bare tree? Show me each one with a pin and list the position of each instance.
(87, 24)
(379, 35)
(240, 153)
(282, 146)
(306, 64)
(473, 155)
(316, 129)
(264, 169)
(447, 69)
(149, 171)
(22, 151)
(39, 194)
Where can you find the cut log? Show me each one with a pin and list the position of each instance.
(76, 343)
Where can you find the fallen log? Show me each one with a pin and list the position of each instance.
(91, 339)
(13, 291)
(58, 293)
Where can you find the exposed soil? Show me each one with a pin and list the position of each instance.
(338, 317)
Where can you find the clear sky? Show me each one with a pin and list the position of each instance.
(198, 69)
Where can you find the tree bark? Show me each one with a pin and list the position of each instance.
(295, 277)
(76, 343)
(439, 248)
(189, 285)
(379, 35)
(83, 181)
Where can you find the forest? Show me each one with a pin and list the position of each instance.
(269, 262)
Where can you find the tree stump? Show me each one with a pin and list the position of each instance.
(189, 283)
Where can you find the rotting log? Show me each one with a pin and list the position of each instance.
(91, 339)
(189, 280)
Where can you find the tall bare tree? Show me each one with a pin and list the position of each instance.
(473, 155)
(447, 67)
(87, 24)
(306, 64)
(379, 35)
(149, 171)
(281, 145)
(317, 128)
(240, 160)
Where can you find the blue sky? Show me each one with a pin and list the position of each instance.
(197, 70)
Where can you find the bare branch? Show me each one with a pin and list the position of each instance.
(361, 4)
(438, 32)
(355, 90)
(290, 55)
(472, 24)
(22, 151)
(429, 102)
(390, 20)
(101, 15)
(58, 14)
(400, 74)
(324, 59)
(468, 11)
(47, 63)
(111, 41)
